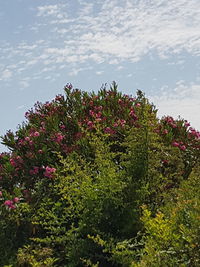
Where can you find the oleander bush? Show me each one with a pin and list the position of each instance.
(96, 179)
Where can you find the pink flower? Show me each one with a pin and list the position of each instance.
(58, 137)
(27, 138)
(194, 133)
(16, 199)
(138, 105)
(108, 130)
(91, 112)
(165, 131)
(62, 126)
(122, 122)
(36, 134)
(187, 124)
(1, 194)
(100, 108)
(175, 144)
(31, 142)
(90, 124)
(132, 112)
(13, 163)
(183, 147)
(98, 115)
(20, 142)
(49, 172)
(9, 204)
(59, 98)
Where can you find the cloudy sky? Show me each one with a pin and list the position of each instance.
(152, 45)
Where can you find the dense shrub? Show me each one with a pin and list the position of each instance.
(78, 172)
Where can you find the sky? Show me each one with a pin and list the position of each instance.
(151, 45)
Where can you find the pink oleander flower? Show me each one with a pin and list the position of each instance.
(132, 113)
(108, 130)
(138, 105)
(194, 133)
(122, 122)
(165, 131)
(49, 172)
(16, 199)
(175, 144)
(182, 147)
(91, 112)
(59, 98)
(36, 134)
(1, 194)
(90, 124)
(187, 124)
(20, 142)
(42, 129)
(62, 126)
(58, 137)
(13, 163)
(98, 115)
(27, 138)
(31, 142)
(100, 108)
(9, 204)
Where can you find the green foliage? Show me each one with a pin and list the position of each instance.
(98, 180)
(172, 235)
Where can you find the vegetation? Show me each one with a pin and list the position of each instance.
(98, 180)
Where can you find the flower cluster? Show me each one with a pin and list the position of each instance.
(179, 145)
(49, 172)
(59, 126)
(11, 204)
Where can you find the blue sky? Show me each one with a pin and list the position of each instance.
(152, 45)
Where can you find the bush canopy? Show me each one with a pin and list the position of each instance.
(96, 179)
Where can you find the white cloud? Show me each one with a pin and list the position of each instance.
(48, 10)
(106, 31)
(99, 72)
(6, 75)
(127, 30)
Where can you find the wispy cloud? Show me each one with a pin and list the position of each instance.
(130, 29)
(49, 10)
(5, 75)
(107, 31)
